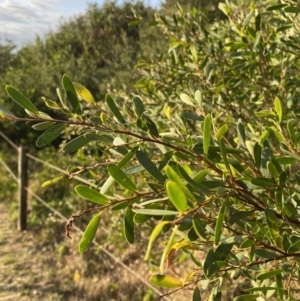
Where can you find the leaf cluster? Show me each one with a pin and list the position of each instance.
(207, 152)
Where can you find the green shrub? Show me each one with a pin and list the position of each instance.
(207, 153)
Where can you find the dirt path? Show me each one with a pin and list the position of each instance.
(32, 268)
(22, 272)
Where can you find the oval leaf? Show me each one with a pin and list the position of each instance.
(75, 144)
(222, 130)
(49, 135)
(176, 195)
(114, 109)
(196, 294)
(120, 177)
(219, 223)
(43, 125)
(83, 93)
(71, 94)
(156, 231)
(165, 281)
(91, 194)
(158, 212)
(139, 106)
(21, 100)
(172, 175)
(129, 225)
(186, 99)
(263, 182)
(149, 166)
(267, 275)
(292, 9)
(89, 233)
(6, 112)
(206, 134)
(278, 108)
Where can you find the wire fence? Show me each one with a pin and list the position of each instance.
(61, 216)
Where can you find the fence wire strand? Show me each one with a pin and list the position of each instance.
(115, 259)
(58, 169)
(8, 140)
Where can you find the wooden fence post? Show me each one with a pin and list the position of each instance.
(23, 181)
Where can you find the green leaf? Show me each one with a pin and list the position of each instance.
(176, 195)
(265, 113)
(273, 171)
(200, 176)
(257, 154)
(51, 182)
(91, 194)
(248, 297)
(292, 9)
(6, 112)
(43, 125)
(248, 19)
(239, 215)
(222, 131)
(149, 166)
(71, 94)
(286, 160)
(209, 260)
(83, 93)
(150, 125)
(198, 186)
(219, 223)
(295, 247)
(276, 7)
(156, 231)
(186, 99)
(139, 106)
(241, 134)
(120, 177)
(89, 233)
(196, 294)
(279, 285)
(75, 144)
(278, 108)
(114, 109)
(50, 103)
(206, 133)
(263, 182)
(191, 116)
(269, 274)
(110, 179)
(49, 135)
(265, 253)
(62, 98)
(273, 227)
(141, 218)
(172, 175)
(21, 100)
(292, 133)
(199, 226)
(155, 212)
(165, 281)
(279, 200)
(263, 137)
(167, 111)
(129, 225)
(223, 152)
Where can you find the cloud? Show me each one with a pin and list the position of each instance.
(21, 21)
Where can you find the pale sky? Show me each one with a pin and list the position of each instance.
(22, 20)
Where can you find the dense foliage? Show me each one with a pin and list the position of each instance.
(206, 152)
